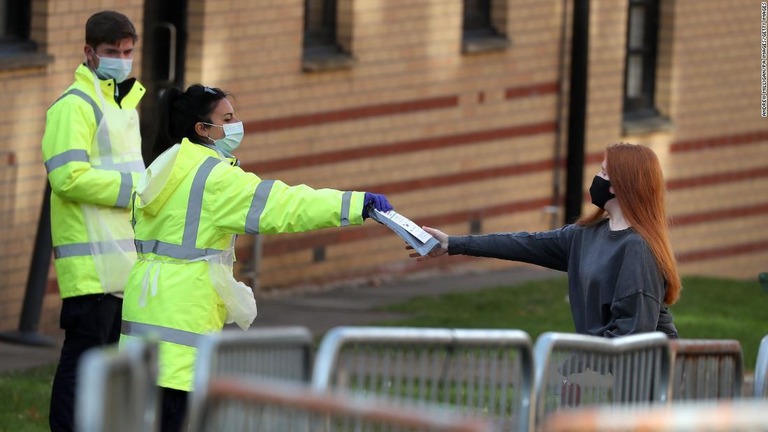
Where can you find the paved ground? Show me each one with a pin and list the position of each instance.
(320, 310)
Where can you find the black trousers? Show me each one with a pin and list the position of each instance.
(88, 321)
(173, 410)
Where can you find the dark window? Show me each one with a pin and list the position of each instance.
(320, 25)
(324, 48)
(477, 19)
(14, 26)
(640, 76)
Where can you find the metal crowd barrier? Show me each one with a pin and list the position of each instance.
(477, 372)
(117, 389)
(573, 371)
(735, 415)
(761, 370)
(284, 406)
(274, 352)
(706, 369)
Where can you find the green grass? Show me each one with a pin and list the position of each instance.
(709, 308)
(26, 395)
(535, 307)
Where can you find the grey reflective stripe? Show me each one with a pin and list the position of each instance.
(70, 250)
(346, 198)
(62, 159)
(126, 186)
(257, 206)
(136, 166)
(96, 110)
(85, 249)
(171, 250)
(103, 135)
(195, 204)
(166, 334)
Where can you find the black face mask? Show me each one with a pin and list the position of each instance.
(599, 191)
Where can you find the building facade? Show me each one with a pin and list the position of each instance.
(471, 116)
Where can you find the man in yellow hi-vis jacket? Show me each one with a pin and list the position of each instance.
(190, 204)
(92, 153)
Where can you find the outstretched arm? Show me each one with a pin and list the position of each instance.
(547, 248)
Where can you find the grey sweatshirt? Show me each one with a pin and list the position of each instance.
(614, 284)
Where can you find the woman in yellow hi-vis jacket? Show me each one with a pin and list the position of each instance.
(191, 202)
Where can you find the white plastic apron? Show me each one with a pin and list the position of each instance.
(116, 146)
(237, 297)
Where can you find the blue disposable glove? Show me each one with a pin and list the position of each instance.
(377, 201)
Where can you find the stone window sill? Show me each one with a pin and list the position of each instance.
(646, 124)
(483, 44)
(326, 60)
(22, 55)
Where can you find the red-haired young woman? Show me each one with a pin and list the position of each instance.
(622, 273)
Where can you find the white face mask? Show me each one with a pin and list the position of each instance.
(115, 68)
(233, 136)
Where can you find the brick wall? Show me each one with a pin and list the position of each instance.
(447, 136)
(715, 157)
(719, 155)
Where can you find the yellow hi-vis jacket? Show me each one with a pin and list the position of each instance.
(190, 203)
(92, 153)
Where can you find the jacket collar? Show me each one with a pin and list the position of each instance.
(85, 77)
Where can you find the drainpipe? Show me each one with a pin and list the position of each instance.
(555, 208)
(577, 111)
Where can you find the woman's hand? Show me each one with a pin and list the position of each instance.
(439, 250)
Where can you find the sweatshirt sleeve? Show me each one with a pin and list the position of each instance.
(639, 293)
(69, 132)
(547, 248)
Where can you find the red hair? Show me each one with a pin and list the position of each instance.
(635, 174)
